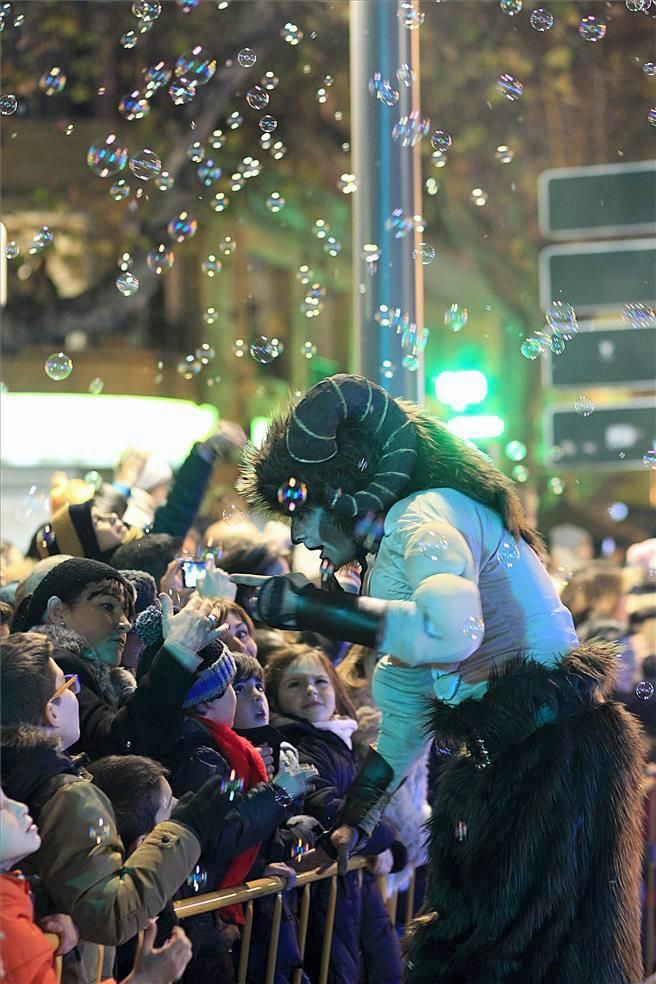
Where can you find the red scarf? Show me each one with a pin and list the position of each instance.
(248, 766)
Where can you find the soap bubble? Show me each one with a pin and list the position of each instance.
(556, 486)
(292, 494)
(129, 39)
(182, 91)
(156, 77)
(196, 66)
(160, 258)
(332, 246)
(34, 505)
(520, 473)
(583, 405)
(515, 450)
(40, 240)
(268, 124)
(257, 97)
(618, 511)
(651, 116)
(639, 315)
(541, 20)
(433, 545)
(410, 16)
(399, 223)
(219, 202)
(125, 261)
(531, 349)
(134, 106)
(127, 284)
(649, 68)
(239, 348)
(411, 129)
(182, 227)
(234, 120)
(275, 202)
(189, 367)
(264, 350)
(504, 154)
(474, 628)
(208, 172)
(649, 459)
(195, 152)
(308, 350)
(371, 255)
(432, 186)
(405, 75)
(644, 690)
(8, 104)
(210, 316)
(424, 252)
(592, 29)
(197, 879)
(456, 317)
(205, 353)
(387, 369)
(227, 246)
(510, 87)
(211, 266)
(147, 9)
(561, 317)
(107, 156)
(511, 7)
(58, 366)
(100, 831)
(53, 81)
(96, 386)
(461, 831)
(145, 165)
(246, 57)
(638, 6)
(387, 94)
(441, 140)
(291, 34)
(119, 190)
(479, 197)
(508, 553)
(348, 183)
(12, 250)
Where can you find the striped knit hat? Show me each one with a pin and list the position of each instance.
(214, 680)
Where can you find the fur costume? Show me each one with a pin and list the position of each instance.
(534, 867)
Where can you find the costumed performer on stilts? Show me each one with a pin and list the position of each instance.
(535, 834)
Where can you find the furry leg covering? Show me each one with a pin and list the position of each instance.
(536, 837)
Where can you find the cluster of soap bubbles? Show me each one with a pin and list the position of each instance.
(383, 90)
(411, 129)
(292, 494)
(560, 328)
(413, 338)
(194, 363)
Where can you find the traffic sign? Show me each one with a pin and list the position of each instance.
(612, 436)
(599, 200)
(604, 355)
(601, 276)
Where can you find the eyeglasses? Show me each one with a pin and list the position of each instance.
(71, 682)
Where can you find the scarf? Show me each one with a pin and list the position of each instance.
(248, 766)
(343, 727)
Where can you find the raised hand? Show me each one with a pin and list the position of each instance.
(163, 965)
(194, 626)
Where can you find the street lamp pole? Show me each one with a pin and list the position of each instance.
(389, 178)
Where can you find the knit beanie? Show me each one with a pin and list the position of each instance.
(145, 589)
(70, 531)
(213, 681)
(61, 580)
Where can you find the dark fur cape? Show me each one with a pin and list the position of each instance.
(535, 858)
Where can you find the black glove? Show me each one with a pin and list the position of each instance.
(200, 812)
(367, 789)
(289, 601)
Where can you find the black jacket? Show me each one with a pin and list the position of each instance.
(147, 721)
(365, 945)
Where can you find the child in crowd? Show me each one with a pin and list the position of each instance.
(252, 715)
(81, 862)
(26, 956)
(312, 711)
(95, 601)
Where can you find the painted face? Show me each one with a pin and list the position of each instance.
(222, 709)
(110, 530)
(306, 690)
(18, 833)
(237, 637)
(99, 616)
(167, 801)
(63, 713)
(317, 531)
(252, 704)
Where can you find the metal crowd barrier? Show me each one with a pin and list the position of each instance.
(248, 892)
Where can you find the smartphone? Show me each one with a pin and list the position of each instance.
(191, 569)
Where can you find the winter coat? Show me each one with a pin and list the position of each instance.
(408, 810)
(81, 861)
(194, 759)
(147, 720)
(26, 956)
(177, 514)
(353, 958)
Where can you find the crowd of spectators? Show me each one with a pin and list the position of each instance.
(157, 742)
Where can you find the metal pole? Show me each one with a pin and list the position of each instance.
(389, 177)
